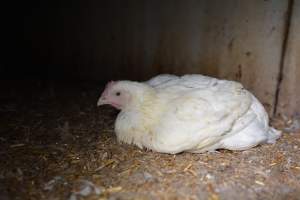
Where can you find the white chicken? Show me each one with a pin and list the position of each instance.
(193, 113)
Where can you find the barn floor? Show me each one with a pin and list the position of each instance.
(56, 144)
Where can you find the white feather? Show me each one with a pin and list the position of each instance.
(195, 113)
(161, 79)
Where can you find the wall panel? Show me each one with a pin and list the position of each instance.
(136, 39)
(289, 90)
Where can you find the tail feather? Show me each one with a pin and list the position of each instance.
(273, 135)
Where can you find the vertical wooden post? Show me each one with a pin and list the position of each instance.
(288, 102)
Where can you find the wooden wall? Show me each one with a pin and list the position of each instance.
(135, 39)
(289, 87)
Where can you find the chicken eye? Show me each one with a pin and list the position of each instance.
(118, 93)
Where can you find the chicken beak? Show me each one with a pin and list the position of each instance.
(102, 101)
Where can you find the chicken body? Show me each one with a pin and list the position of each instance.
(192, 113)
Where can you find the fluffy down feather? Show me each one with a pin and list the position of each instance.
(194, 113)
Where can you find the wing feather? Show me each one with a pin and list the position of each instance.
(201, 118)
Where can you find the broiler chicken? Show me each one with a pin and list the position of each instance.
(193, 113)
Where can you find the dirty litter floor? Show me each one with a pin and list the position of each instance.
(56, 144)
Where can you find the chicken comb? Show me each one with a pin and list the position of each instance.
(110, 84)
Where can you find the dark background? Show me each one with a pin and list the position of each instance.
(34, 33)
(253, 42)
